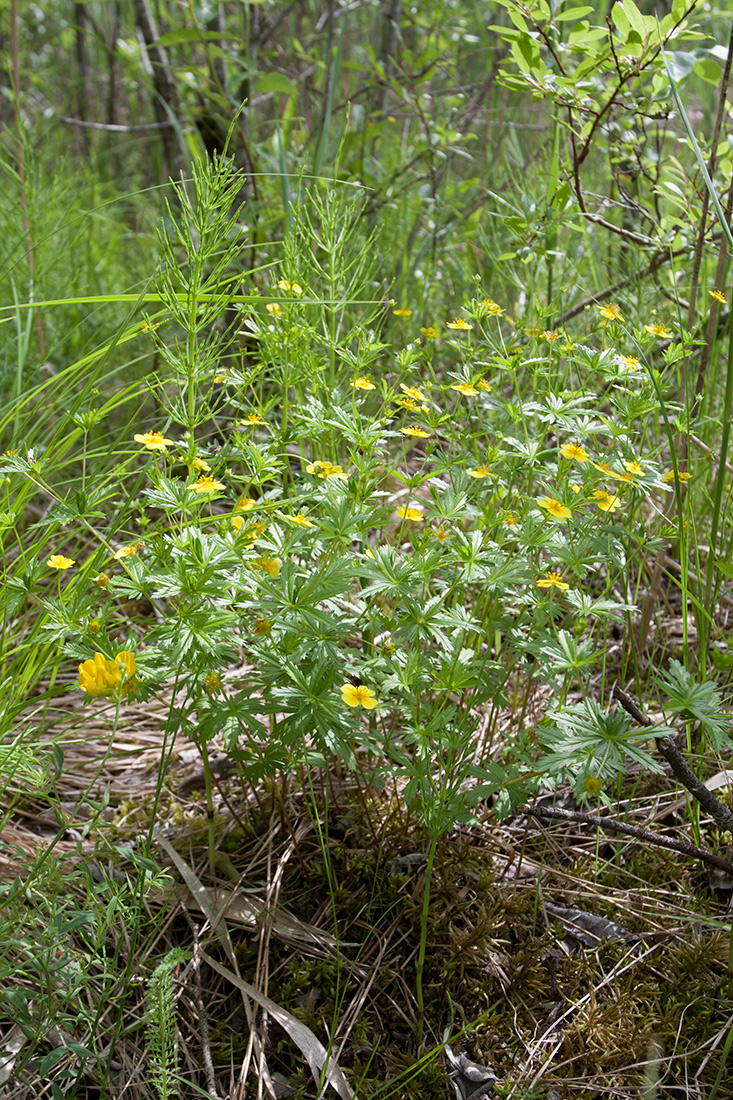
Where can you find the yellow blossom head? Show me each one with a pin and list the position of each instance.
(410, 513)
(271, 566)
(58, 561)
(154, 441)
(607, 502)
(413, 392)
(207, 485)
(554, 507)
(274, 309)
(719, 296)
(460, 324)
(430, 333)
(360, 696)
(492, 307)
(212, 683)
(681, 476)
(324, 469)
(416, 431)
(574, 452)
(100, 678)
(250, 419)
(465, 388)
(402, 312)
(658, 329)
(553, 580)
(300, 520)
(479, 471)
(611, 312)
(128, 551)
(361, 382)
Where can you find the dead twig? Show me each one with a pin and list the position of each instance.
(720, 814)
(613, 825)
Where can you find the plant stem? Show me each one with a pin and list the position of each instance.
(424, 941)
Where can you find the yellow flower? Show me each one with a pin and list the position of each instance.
(555, 507)
(669, 476)
(207, 485)
(634, 468)
(199, 464)
(402, 312)
(410, 513)
(441, 533)
(492, 308)
(482, 384)
(533, 330)
(479, 471)
(274, 309)
(551, 335)
(361, 382)
(262, 626)
(410, 405)
(465, 388)
(294, 288)
(607, 502)
(413, 392)
(574, 452)
(324, 469)
(611, 312)
(460, 324)
(221, 376)
(719, 297)
(415, 430)
(126, 663)
(300, 520)
(657, 329)
(553, 580)
(128, 551)
(430, 333)
(630, 362)
(271, 566)
(360, 696)
(212, 682)
(510, 519)
(604, 468)
(58, 561)
(154, 441)
(99, 677)
(251, 418)
(244, 504)
(101, 580)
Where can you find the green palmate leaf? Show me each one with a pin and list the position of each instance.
(693, 701)
(585, 739)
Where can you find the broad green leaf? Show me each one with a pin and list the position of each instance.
(276, 82)
(573, 13)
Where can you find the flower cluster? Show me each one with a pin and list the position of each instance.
(101, 678)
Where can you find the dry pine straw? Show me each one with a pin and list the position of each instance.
(551, 1010)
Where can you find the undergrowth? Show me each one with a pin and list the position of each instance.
(317, 601)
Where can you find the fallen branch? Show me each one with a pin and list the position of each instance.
(613, 825)
(720, 814)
